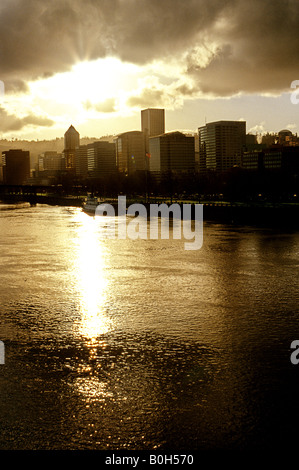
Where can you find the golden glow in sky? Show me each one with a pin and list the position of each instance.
(94, 92)
(93, 82)
(96, 64)
(105, 96)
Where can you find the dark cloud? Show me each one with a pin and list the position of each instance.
(10, 122)
(257, 42)
(44, 37)
(258, 49)
(16, 86)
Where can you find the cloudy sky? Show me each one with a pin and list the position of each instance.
(96, 63)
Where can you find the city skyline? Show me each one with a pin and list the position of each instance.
(88, 63)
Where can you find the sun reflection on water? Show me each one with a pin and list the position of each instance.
(92, 282)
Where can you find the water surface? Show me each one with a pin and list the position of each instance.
(123, 344)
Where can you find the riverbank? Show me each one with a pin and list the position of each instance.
(52, 200)
(281, 215)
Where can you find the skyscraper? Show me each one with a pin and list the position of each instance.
(152, 124)
(153, 121)
(71, 142)
(221, 145)
(16, 166)
(101, 159)
(50, 160)
(81, 163)
(172, 152)
(130, 150)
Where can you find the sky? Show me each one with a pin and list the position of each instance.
(96, 63)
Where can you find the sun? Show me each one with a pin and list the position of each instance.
(100, 97)
(89, 81)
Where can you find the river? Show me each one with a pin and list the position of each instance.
(140, 344)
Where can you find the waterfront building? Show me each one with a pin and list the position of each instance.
(101, 159)
(51, 161)
(152, 123)
(81, 161)
(71, 142)
(172, 152)
(252, 160)
(284, 159)
(221, 145)
(16, 166)
(130, 152)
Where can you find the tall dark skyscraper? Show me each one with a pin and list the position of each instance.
(101, 159)
(16, 166)
(81, 162)
(221, 145)
(71, 142)
(130, 151)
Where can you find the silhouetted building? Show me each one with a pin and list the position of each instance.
(250, 140)
(130, 152)
(71, 142)
(279, 158)
(16, 166)
(282, 158)
(269, 139)
(152, 123)
(101, 159)
(81, 162)
(196, 148)
(286, 137)
(51, 161)
(173, 151)
(252, 160)
(221, 145)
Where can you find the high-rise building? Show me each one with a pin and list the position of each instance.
(153, 121)
(51, 161)
(221, 145)
(16, 166)
(130, 152)
(81, 163)
(101, 159)
(173, 151)
(71, 142)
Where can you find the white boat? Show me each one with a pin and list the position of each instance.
(90, 204)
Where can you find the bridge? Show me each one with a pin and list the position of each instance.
(41, 194)
(30, 189)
